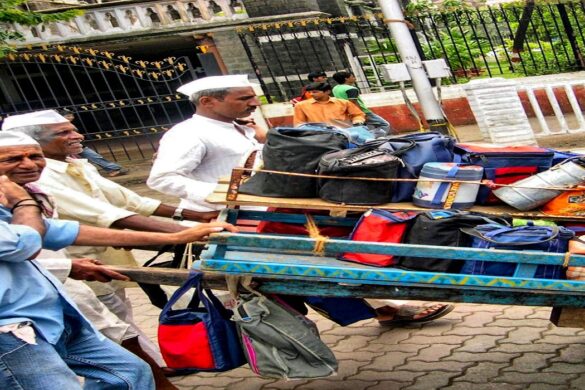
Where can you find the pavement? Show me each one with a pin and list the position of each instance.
(478, 347)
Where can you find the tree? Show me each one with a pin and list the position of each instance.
(11, 12)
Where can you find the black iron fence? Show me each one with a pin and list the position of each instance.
(475, 42)
(121, 105)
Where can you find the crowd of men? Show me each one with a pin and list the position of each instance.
(63, 315)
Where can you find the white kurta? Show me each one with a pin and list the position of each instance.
(88, 304)
(194, 155)
(93, 200)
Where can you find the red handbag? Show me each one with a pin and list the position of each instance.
(379, 226)
(198, 338)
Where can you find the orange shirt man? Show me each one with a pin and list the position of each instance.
(323, 108)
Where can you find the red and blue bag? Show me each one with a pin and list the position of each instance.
(199, 338)
(379, 226)
(503, 165)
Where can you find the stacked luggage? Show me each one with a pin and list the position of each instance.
(429, 169)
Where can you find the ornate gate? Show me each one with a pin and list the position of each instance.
(121, 105)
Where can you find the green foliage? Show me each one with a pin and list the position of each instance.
(419, 7)
(460, 49)
(545, 58)
(10, 12)
(425, 7)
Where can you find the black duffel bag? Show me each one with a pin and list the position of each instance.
(366, 161)
(295, 150)
(442, 228)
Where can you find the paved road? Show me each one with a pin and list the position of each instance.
(474, 347)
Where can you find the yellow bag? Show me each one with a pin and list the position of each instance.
(568, 203)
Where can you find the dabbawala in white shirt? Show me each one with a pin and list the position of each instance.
(194, 155)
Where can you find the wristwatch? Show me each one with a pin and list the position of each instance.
(178, 214)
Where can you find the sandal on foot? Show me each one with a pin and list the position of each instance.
(406, 314)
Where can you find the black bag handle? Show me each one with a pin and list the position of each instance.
(375, 146)
(410, 144)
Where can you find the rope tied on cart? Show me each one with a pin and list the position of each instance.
(315, 234)
(487, 183)
(567, 260)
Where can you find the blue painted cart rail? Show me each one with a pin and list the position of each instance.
(288, 264)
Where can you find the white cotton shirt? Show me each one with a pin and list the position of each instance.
(194, 155)
(93, 200)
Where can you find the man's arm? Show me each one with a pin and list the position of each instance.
(299, 115)
(164, 210)
(81, 207)
(79, 269)
(94, 236)
(147, 224)
(19, 243)
(93, 271)
(352, 95)
(355, 113)
(25, 210)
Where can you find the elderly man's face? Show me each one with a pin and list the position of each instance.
(238, 103)
(61, 140)
(22, 164)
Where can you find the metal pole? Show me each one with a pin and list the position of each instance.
(407, 49)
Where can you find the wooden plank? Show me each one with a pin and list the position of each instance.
(267, 285)
(285, 244)
(219, 197)
(298, 219)
(388, 277)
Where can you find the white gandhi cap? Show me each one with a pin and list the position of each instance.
(216, 82)
(46, 117)
(15, 138)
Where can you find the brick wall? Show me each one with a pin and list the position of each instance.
(456, 108)
(232, 52)
(333, 7)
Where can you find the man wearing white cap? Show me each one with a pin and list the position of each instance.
(195, 153)
(81, 194)
(44, 340)
(21, 160)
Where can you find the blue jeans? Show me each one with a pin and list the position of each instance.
(95, 158)
(377, 123)
(104, 364)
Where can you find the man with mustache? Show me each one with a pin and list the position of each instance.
(195, 153)
(44, 340)
(83, 195)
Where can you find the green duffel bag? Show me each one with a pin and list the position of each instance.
(279, 342)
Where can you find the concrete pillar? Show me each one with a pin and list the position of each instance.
(499, 112)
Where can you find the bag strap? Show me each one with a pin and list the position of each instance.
(194, 279)
(391, 216)
(444, 187)
(410, 145)
(162, 250)
(441, 152)
(323, 125)
(491, 220)
(212, 304)
(490, 236)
